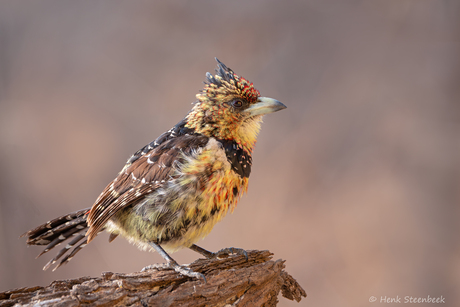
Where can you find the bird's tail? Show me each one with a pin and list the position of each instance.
(54, 232)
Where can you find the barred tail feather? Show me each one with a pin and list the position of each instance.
(54, 232)
(65, 250)
(44, 234)
(69, 256)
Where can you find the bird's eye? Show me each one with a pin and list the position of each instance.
(237, 103)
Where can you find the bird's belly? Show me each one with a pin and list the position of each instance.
(179, 223)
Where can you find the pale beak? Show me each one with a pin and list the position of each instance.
(264, 105)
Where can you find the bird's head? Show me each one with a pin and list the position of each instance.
(230, 108)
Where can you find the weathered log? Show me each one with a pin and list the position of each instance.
(232, 281)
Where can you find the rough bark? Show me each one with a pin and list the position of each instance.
(232, 281)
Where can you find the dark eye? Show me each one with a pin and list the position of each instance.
(237, 103)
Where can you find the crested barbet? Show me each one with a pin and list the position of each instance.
(172, 192)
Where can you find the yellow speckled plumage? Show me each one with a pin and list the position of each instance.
(172, 192)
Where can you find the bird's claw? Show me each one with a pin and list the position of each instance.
(225, 252)
(183, 270)
(157, 266)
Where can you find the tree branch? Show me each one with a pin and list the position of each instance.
(231, 281)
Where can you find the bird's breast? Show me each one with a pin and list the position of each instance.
(212, 188)
(212, 176)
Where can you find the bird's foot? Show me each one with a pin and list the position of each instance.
(156, 266)
(225, 252)
(172, 265)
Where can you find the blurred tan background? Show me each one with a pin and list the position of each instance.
(355, 184)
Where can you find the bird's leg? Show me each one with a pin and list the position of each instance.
(172, 264)
(220, 254)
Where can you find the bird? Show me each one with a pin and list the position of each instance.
(171, 192)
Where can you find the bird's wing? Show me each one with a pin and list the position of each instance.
(147, 170)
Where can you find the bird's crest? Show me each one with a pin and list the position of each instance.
(226, 84)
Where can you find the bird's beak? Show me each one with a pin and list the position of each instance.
(264, 105)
